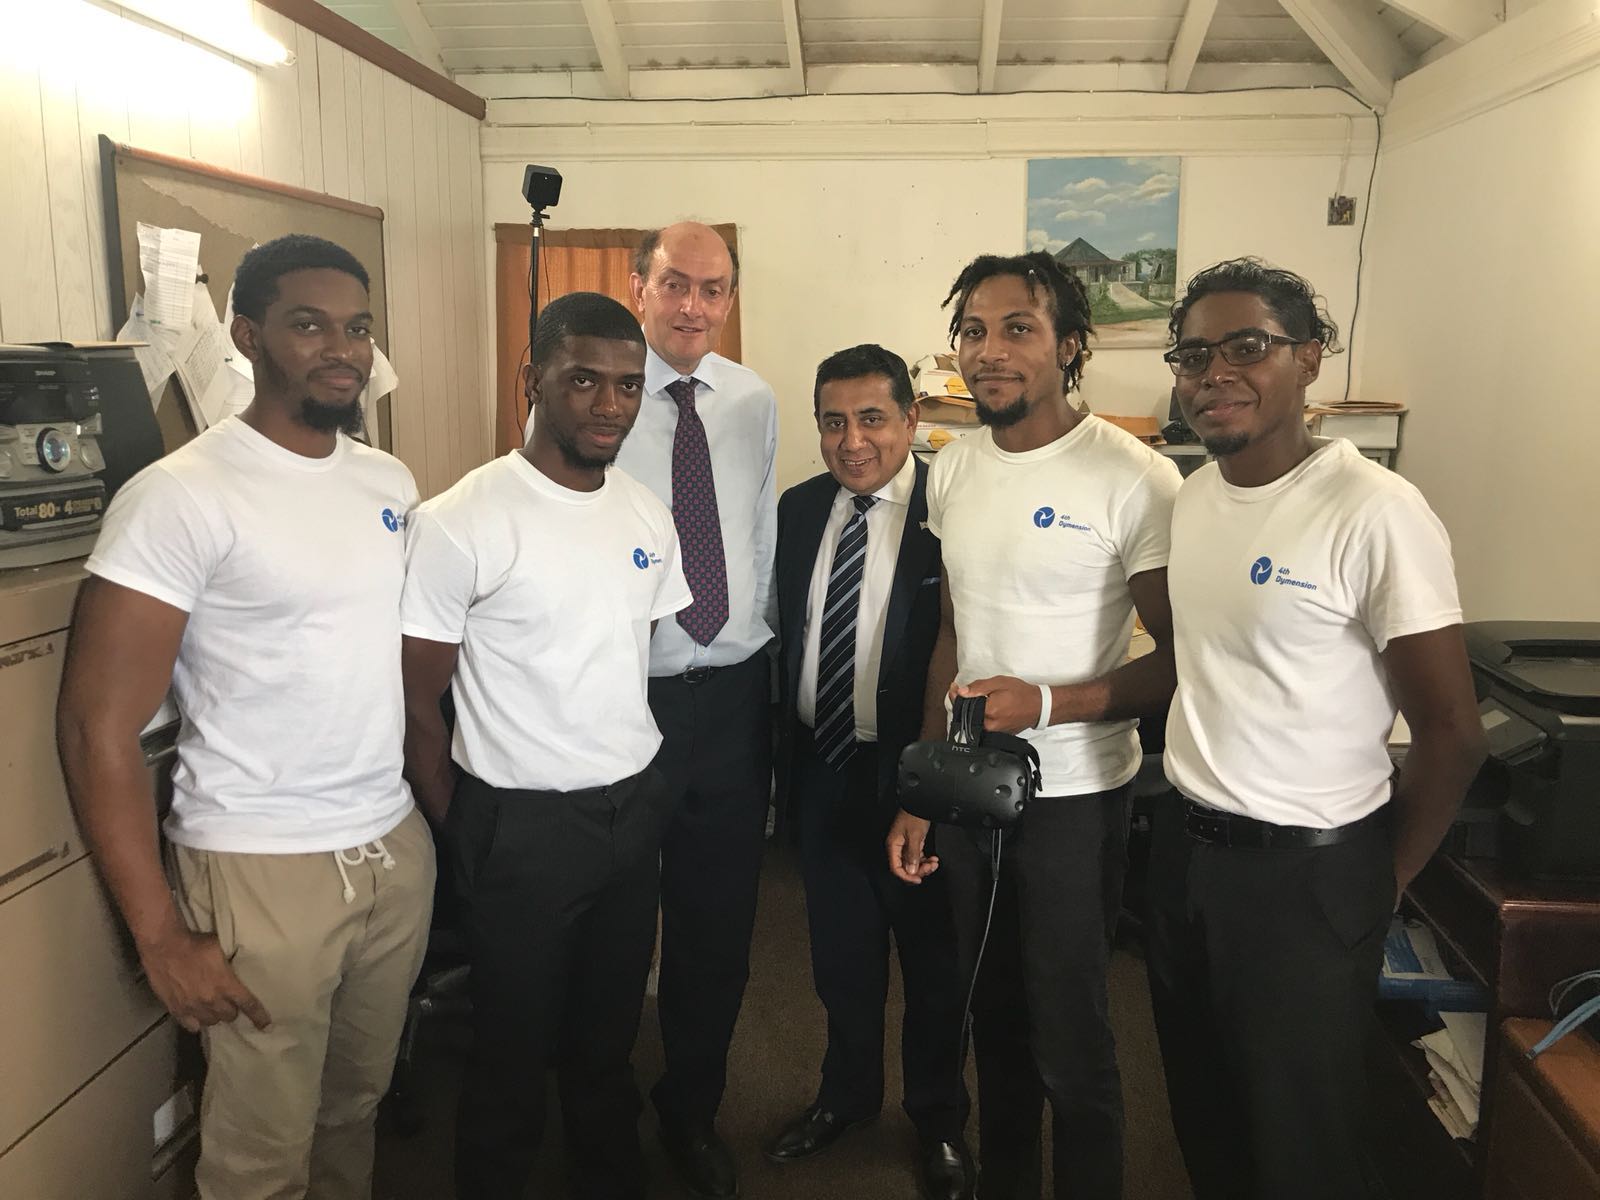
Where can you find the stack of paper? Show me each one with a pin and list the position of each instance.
(1414, 970)
(1455, 1062)
(1355, 406)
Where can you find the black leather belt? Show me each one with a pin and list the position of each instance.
(698, 674)
(1217, 828)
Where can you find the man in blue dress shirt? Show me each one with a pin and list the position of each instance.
(705, 443)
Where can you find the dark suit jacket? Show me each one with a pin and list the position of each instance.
(910, 626)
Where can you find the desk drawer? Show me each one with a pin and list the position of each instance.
(100, 1144)
(37, 831)
(72, 999)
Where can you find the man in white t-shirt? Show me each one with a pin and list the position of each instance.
(532, 588)
(258, 570)
(1054, 531)
(1313, 592)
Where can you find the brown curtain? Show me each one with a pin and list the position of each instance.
(570, 260)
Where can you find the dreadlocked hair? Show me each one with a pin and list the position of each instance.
(1069, 300)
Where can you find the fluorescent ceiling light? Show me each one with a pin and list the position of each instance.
(218, 25)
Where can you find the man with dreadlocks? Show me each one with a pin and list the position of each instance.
(1054, 527)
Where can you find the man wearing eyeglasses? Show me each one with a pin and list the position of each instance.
(1312, 591)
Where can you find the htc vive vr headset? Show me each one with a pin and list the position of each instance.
(976, 779)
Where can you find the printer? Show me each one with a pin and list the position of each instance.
(75, 423)
(1539, 683)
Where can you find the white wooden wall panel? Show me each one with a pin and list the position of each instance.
(447, 242)
(373, 153)
(405, 321)
(484, 380)
(332, 122)
(464, 252)
(70, 232)
(353, 147)
(305, 70)
(100, 111)
(331, 114)
(155, 123)
(251, 155)
(28, 310)
(278, 107)
(430, 283)
(214, 127)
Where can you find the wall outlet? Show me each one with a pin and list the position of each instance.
(1341, 210)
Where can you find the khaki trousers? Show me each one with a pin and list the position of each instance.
(288, 1112)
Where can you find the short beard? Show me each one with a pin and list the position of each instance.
(576, 459)
(1002, 418)
(1222, 447)
(333, 418)
(313, 414)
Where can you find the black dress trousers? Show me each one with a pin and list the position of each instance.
(1040, 1023)
(853, 903)
(558, 902)
(716, 758)
(1263, 974)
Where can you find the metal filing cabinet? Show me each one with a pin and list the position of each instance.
(87, 1056)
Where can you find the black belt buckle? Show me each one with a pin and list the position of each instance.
(698, 674)
(1207, 825)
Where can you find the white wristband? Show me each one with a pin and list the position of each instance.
(1046, 703)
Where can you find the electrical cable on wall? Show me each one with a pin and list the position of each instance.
(1361, 237)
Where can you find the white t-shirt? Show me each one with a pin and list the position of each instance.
(1283, 599)
(1038, 550)
(288, 675)
(550, 594)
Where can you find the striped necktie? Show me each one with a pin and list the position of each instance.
(835, 715)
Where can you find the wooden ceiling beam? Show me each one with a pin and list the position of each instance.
(1366, 51)
(791, 37)
(1186, 47)
(608, 45)
(1458, 20)
(989, 44)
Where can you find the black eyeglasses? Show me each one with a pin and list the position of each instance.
(1238, 349)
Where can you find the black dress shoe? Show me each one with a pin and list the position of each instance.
(703, 1163)
(812, 1132)
(945, 1171)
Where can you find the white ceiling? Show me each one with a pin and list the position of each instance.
(1365, 39)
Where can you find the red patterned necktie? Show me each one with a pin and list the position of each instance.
(694, 512)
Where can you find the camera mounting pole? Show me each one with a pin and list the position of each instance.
(541, 188)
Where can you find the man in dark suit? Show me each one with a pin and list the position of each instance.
(858, 610)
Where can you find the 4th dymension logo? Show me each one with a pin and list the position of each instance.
(1045, 518)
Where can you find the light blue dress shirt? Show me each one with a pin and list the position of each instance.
(740, 414)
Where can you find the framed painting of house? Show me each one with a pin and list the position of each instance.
(1112, 222)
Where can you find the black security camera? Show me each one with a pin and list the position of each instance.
(541, 187)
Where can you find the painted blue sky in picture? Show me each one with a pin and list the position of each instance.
(1118, 205)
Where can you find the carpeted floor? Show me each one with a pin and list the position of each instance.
(773, 1076)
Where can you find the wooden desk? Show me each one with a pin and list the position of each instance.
(1546, 1139)
(1515, 937)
